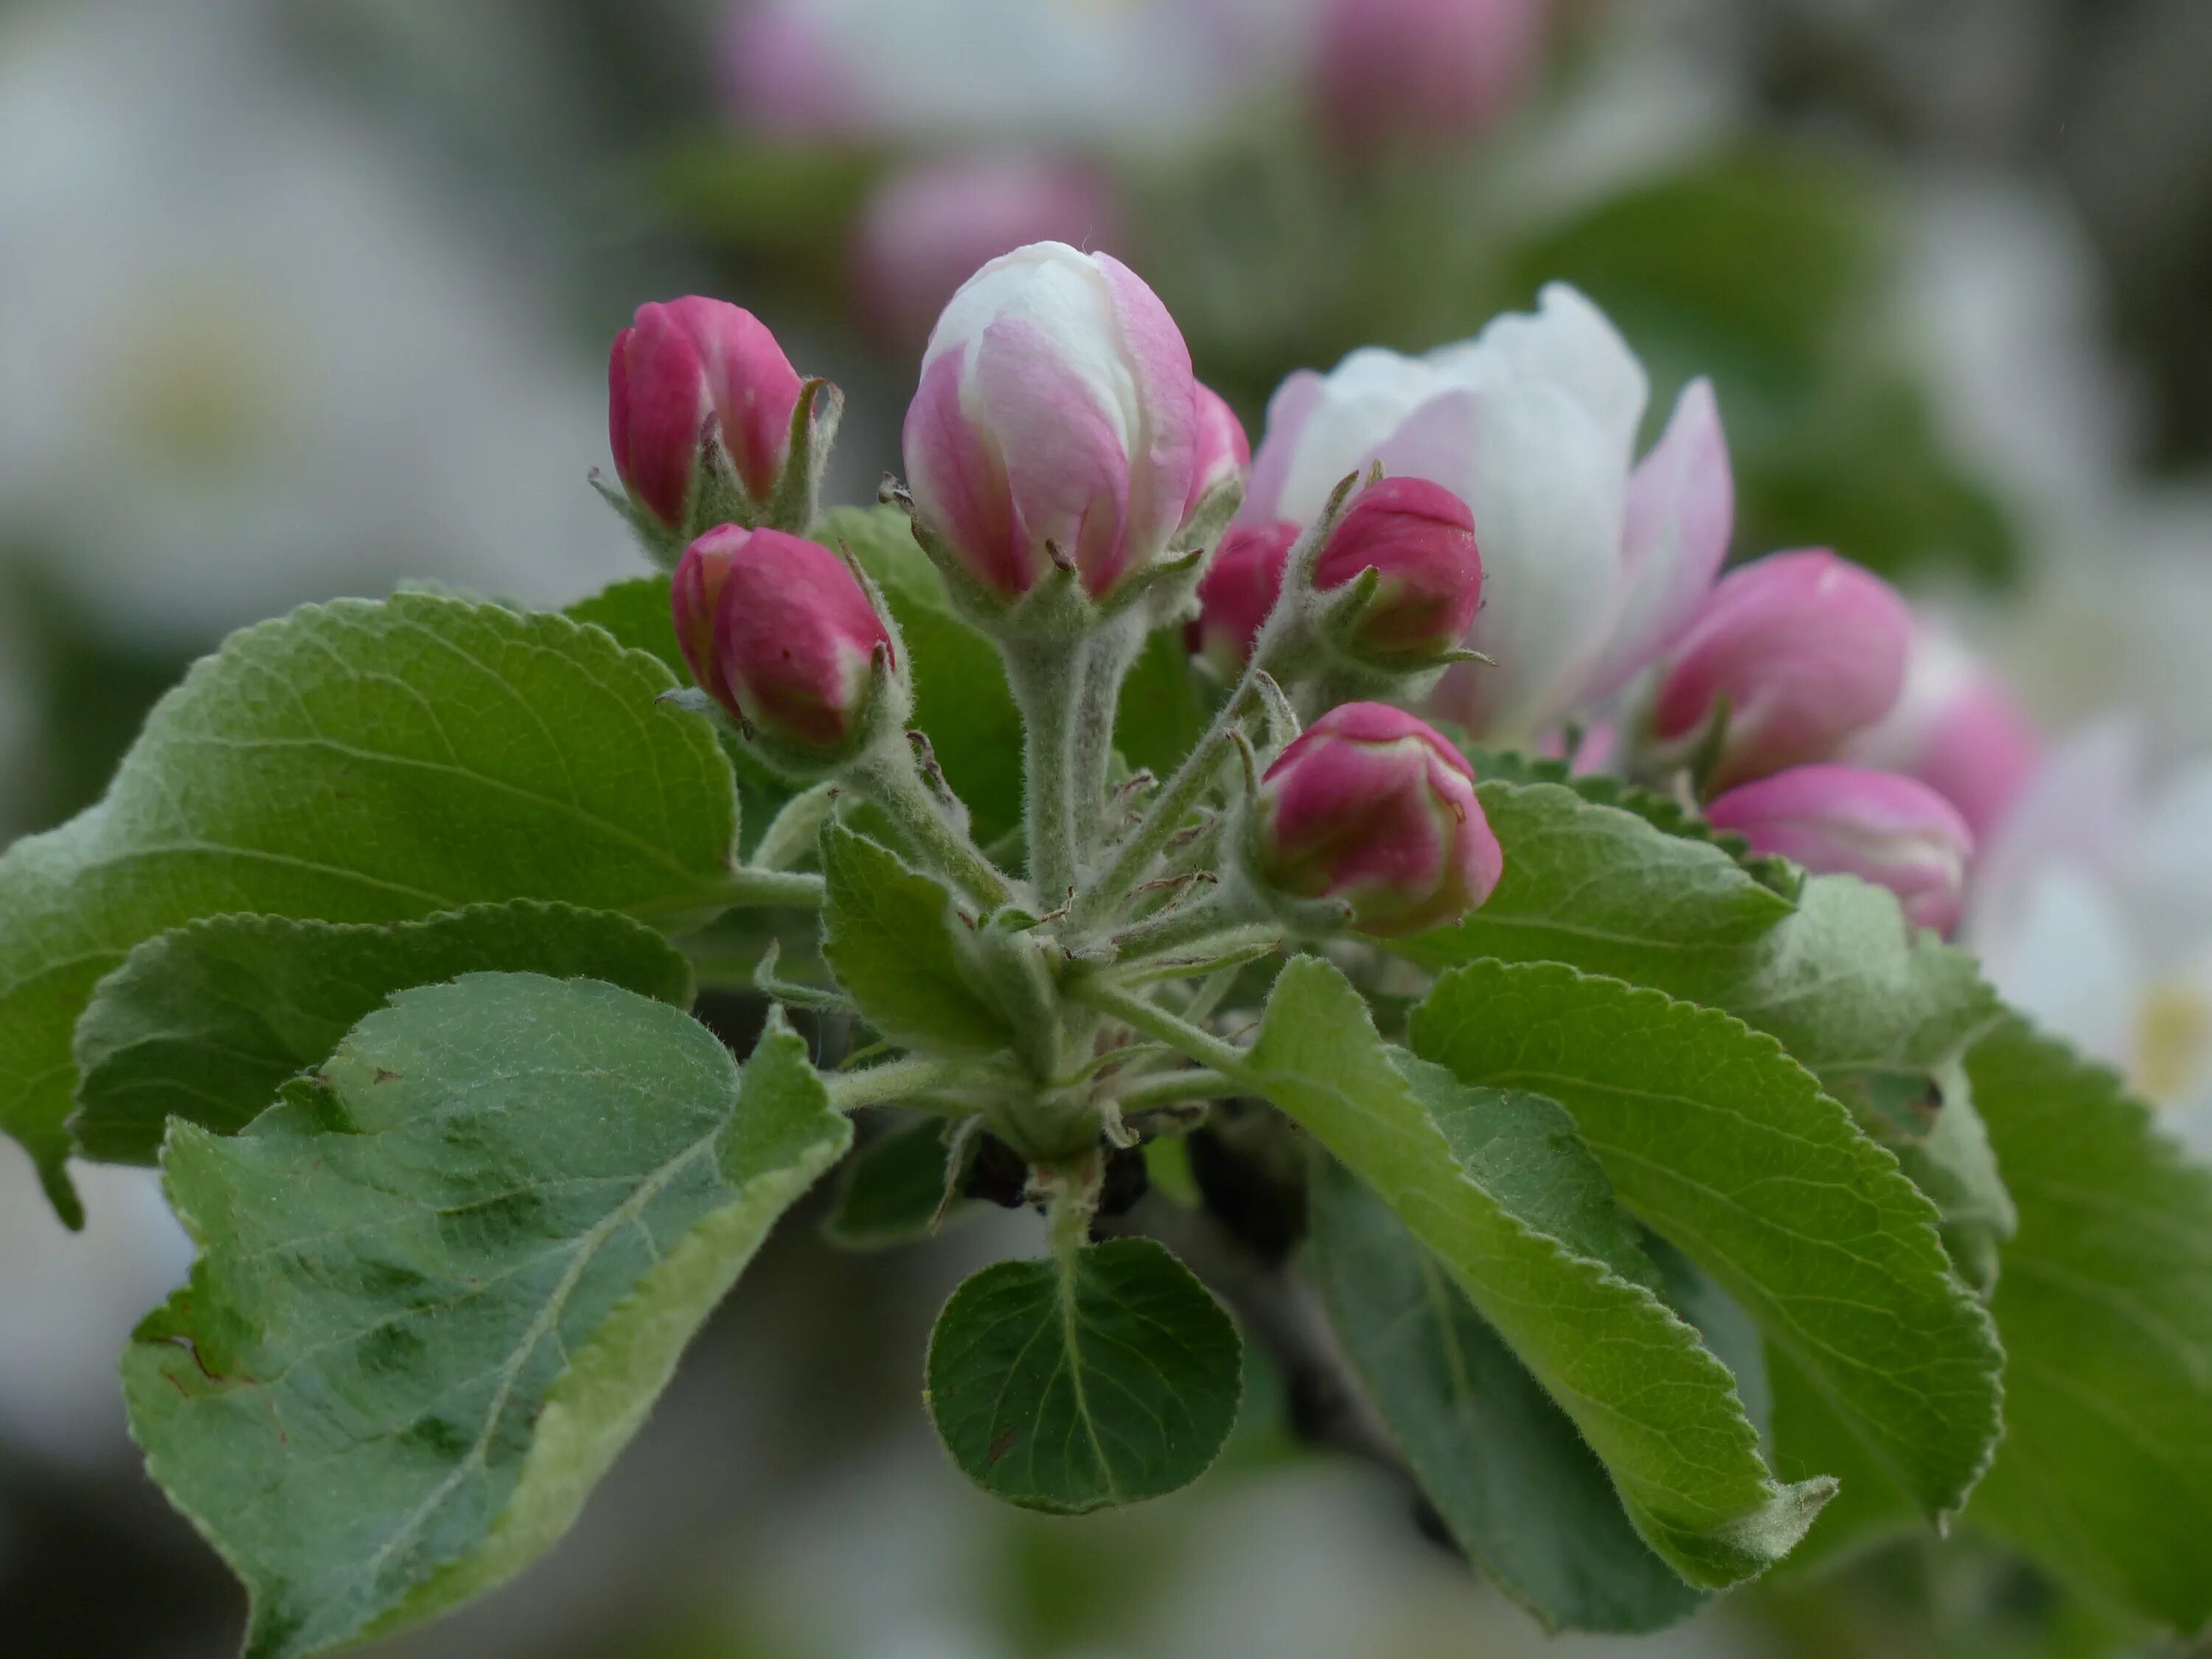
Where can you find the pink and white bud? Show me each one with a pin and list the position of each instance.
(794, 635)
(1420, 538)
(1371, 808)
(1808, 649)
(1220, 453)
(1238, 592)
(1057, 416)
(678, 364)
(930, 227)
(1958, 728)
(1423, 71)
(1848, 820)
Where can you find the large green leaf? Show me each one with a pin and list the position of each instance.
(1656, 1407)
(1108, 1378)
(1842, 980)
(438, 1290)
(960, 694)
(900, 1187)
(361, 761)
(204, 1022)
(1504, 1467)
(2105, 1307)
(886, 933)
(1726, 1147)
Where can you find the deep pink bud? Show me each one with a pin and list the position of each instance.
(1808, 649)
(795, 634)
(929, 228)
(1423, 70)
(677, 363)
(1057, 416)
(1238, 591)
(1884, 828)
(1958, 728)
(1221, 453)
(1372, 808)
(693, 594)
(1420, 538)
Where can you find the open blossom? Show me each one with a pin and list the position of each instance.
(1808, 649)
(1592, 562)
(1056, 414)
(678, 363)
(1372, 808)
(789, 636)
(928, 228)
(1886, 829)
(1957, 727)
(1422, 70)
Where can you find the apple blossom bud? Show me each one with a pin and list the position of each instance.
(1238, 591)
(794, 636)
(1056, 422)
(1880, 826)
(928, 228)
(678, 364)
(1808, 650)
(1371, 808)
(1422, 70)
(1958, 728)
(1221, 451)
(1420, 538)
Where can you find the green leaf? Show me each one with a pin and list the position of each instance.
(636, 612)
(1726, 1147)
(1658, 1409)
(1161, 716)
(960, 694)
(2105, 1305)
(1521, 1492)
(436, 1295)
(1068, 1386)
(1661, 813)
(1944, 1147)
(886, 934)
(203, 1022)
(361, 761)
(1848, 987)
(896, 1187)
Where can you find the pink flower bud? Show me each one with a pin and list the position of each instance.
(1808, 649)
(1423, 70)
(1420, 538)
(1886, 829)
(1238, 592)
(1370, 808)
(1056, 416)
(675, 365)
(926, 229)
(794, 635)
(1221, 450)
(1958, 728)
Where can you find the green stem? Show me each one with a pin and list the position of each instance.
(1108, 657)
(896, 1080)
(746, 885)
(1223, 909)
(1045, 676)
(1154, 1021)
(1171, 1087)
(890, 778)
(1164, 817)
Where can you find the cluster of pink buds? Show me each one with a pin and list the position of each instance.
(1370, 810)
(710, 424)
(1840, 732)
